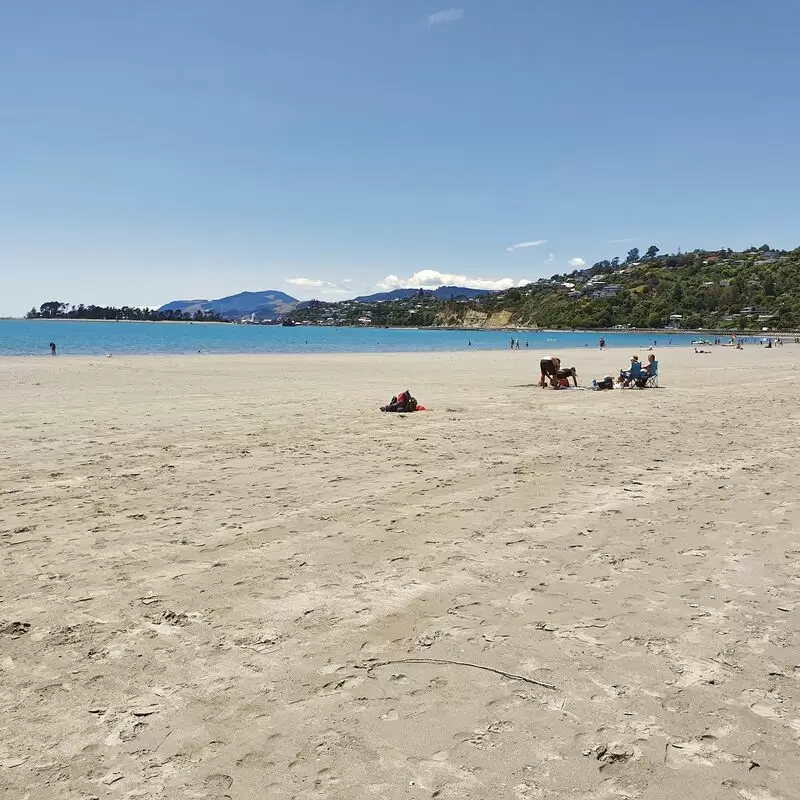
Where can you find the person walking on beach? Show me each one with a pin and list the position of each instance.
(602, 342)
(52, 348)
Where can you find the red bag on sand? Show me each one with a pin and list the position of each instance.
(420, 408)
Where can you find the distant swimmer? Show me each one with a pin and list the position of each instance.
(52, 348)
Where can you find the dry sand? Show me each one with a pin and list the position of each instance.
(203, 555)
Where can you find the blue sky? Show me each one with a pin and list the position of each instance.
(164, 149)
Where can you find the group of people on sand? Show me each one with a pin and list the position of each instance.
(558, 377)
(638, 372)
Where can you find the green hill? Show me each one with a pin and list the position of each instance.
(713, 289)
(720, 289)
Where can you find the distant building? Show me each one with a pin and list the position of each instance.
(609, 290)
(675, 320)
(750, 310)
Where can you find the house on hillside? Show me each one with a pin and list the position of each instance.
(675, 320)
(750, 310)
(768, 258)
(609, 290)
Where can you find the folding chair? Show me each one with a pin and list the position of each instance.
(650, 380)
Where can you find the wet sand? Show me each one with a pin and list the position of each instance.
(203, 556)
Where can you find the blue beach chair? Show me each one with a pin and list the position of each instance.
(633, 375)
(648, 379)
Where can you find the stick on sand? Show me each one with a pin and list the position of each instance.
(460, 664)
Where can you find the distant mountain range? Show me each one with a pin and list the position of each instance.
(265, 305)
(271, 304)
(442, 293)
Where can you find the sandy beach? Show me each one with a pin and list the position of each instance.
(216, 569)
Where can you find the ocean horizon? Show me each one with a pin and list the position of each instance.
(97, 337)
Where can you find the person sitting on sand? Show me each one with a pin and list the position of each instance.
(549, 368)
(563, 376)
(628, 375)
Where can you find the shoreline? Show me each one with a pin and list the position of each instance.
(507, 329)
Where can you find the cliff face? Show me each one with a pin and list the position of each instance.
(477, 319)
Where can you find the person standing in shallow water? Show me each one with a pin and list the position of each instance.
(52, 348)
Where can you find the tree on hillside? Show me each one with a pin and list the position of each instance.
(633, 255)
(651, 253)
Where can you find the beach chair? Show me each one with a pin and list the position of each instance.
(632, 376)
(648, 380)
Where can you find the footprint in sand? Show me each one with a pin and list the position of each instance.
(764, 710)
(219, 782)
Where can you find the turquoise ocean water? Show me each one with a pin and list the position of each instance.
(29, 338)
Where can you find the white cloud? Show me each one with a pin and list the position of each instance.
(308, 282)
(432, 279)
(523, 282)
(550, 259)
(619, 241)
(577, 262)
(446, 17)
(347, 280)
(519, 245)
(325, 287)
